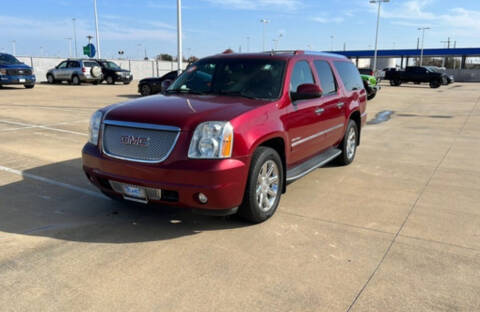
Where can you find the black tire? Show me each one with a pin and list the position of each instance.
(145, 90)
(250, 209)
(435, 84)
(110, 80)
(371, 95)
(126, 82)
(346, 158)
(398, 83)
(75, 80)
(29, 86)
(50, 79)
(95, 82)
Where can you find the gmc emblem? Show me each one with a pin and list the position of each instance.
(135, 140)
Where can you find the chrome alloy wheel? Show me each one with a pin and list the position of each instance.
(267, 185)
(351, 143)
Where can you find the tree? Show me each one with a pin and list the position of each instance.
(164, 57)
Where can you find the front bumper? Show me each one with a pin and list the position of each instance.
(223, 181)
(124, 79)
(15, 80)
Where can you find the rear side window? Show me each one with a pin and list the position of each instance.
(90, 64)
(349, 75)
(302, 73)
(325, 74)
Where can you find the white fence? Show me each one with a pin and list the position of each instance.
(139, 69)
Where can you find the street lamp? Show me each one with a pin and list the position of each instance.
(423, 40)
(376, 36)
(14, 48)
(331, 42)
(97, 35)
(75, 34)
(179, 36)
(264, 22)
(69, 41)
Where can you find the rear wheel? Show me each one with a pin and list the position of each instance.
(75, 80)
(435, 84)
(264, 186)
(145, 90)
(349, 144)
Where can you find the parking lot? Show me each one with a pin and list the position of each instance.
(398, 230)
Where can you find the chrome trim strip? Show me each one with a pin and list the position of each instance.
(140, 126)
(315, 167)
(137, 200)
(316, 135)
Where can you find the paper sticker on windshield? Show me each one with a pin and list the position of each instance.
(267, 67)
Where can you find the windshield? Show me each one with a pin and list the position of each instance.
(7, 59)
(250, 78)
(112, 65)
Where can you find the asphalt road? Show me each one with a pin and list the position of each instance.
(398, 230)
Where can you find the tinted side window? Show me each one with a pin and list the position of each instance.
(349, 75)
(327, 81)
(302, 73)
(171, 75)
(73, 64)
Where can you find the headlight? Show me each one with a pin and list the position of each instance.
(212, 139)
(94, 128)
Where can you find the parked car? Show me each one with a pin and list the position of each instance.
(371, 85)
(113, 73)
(14, 72)
(230, 133)
(76, 71)
(154, 85)
(450, 78)
(416, 74)
(369, 72)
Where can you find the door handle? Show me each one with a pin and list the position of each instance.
(319, 111)
(340, 104)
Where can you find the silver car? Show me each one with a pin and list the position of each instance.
(76, 71)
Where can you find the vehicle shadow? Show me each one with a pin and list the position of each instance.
(41, 203)
(129, 96)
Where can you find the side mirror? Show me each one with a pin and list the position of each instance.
(165, 84)
(306, 91)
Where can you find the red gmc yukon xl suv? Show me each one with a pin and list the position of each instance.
(230, 133)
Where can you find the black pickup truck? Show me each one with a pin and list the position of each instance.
(417, 75)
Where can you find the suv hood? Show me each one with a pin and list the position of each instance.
(15, 66)
(182, 111)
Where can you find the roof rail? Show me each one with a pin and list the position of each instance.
(293, 52)
(325, 54)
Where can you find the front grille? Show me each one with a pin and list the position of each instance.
(138, 142)
(19, 72)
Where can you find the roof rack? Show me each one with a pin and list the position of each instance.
(325, 54)
(299, 52)
(274, 52)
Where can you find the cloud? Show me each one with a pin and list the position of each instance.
(258, 4)
(328, 20)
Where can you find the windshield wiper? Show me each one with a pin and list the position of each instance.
(183, 91)
(238, 93)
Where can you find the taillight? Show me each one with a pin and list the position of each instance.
(84, 69)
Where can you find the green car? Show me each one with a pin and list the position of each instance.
(371, 85)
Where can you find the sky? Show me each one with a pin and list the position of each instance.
(40, 27)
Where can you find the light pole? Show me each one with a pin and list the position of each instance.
(264, 22)
(331, 42)
(69, 41)
(139, 51)
(75, 34)
(14, 47)
(179, 36)
(423, 41)
(376, 36)
(97, 35)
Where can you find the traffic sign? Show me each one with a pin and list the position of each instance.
(89, 50)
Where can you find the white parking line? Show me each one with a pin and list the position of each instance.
(31, 126)
(53, 182)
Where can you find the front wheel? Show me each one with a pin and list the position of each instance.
(29, 86)
(110, 80)
(349, 144)
(371, 95)
(145, 90)
(50, 79)
(435, 84)
(264, 186)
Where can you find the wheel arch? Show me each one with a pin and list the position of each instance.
(357, 118)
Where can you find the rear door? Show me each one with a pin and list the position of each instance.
(73, 67)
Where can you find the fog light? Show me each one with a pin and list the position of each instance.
(202, 198)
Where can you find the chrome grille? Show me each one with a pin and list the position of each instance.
(19, 72)
(138, 142)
